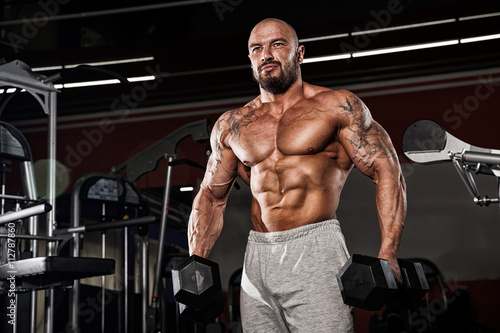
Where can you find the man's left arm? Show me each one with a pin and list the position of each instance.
(372, 152)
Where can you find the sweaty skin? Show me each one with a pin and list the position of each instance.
(295, 150)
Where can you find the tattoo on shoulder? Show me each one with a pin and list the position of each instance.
(234, 121)
(237, 119)
(369, 143)
(350, 104)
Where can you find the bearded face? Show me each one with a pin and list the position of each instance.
(277, 83)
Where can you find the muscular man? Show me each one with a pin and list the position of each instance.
(294, 145)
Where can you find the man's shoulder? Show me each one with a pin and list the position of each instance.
(327, 94)
(244, 113)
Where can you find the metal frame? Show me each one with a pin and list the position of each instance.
(77, 228)
(17, 74)
(147, 161)
(426, 142)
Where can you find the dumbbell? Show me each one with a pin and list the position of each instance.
(368, 283)
(197, 288)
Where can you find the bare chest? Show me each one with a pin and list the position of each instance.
(294, 133)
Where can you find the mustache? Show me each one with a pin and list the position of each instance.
(270, 62)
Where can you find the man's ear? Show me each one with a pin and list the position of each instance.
(300, 53)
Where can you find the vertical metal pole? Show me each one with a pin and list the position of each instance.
(125, 278)
(145, 281)
(163, 229)
(28, 177)
(2, 202)
(51, 198)
(75, 222)
(103, 277)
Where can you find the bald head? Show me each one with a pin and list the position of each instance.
(275, 54)
(272, 25)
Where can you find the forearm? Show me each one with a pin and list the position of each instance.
(391, 211)
(205, 225)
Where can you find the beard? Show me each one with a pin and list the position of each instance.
(277, 85)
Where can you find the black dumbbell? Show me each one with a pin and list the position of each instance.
(197, 289)
(368, 283)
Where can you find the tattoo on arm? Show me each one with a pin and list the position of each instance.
(350, 104)
(233, 120)
(237, 119)
(369, 142)
(367, 138)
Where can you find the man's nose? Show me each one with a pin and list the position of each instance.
(266, 54)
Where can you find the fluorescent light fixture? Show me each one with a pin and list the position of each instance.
(475, 17)
(404, 48)
(48, 68)
(187, 189)
(10, 90)
(327, 58)
(100, 63)
(102, 82)
(402, 27)
(141, 78)
(479, 39)
(90, 83)
(112, 62)
(315, 39)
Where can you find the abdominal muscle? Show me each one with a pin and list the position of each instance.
(295, 191)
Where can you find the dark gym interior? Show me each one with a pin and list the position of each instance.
(124, 90)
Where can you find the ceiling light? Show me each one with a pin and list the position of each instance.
(99, 63)
(315, 39)
(402, 27)
(48, 68)
(479, 39)
(327, 58)
(475, 17)
(90, 83)
(404, 48)
(141, 78)
(111, 62)
(187, 189)
(9, 90)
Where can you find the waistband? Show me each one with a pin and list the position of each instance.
(292, 234)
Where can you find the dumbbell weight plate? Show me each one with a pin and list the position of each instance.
(205, 316)
(196, 282)
(366, 282)
(415, 284)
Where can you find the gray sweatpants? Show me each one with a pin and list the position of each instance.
(289, 281)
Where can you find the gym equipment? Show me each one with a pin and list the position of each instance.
(147, 161)
(45, 272)
(426, 142)
(20, 76)
(24, 213)
(368, 283)
(102, 189)
(197, 287)
(36, 273)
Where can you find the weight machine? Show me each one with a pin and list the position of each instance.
(147, 161)
(36, 273)
(426, 142)
(53, 271)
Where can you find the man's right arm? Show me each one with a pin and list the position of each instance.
(206, 220)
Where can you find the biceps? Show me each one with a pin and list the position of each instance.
(220, 174)
(369, 147)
